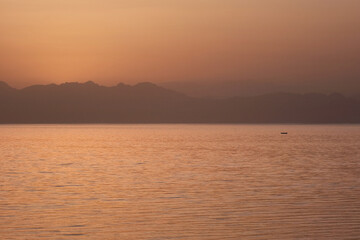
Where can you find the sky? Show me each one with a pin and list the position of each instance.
(130, 41)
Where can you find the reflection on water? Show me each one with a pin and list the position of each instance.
(179, 182)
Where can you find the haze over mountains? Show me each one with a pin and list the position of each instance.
(148, 103)
(248, 88)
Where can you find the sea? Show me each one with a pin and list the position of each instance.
(179, 181)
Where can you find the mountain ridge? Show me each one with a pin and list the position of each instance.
(89, 102)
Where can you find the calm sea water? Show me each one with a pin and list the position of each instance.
(179, 182)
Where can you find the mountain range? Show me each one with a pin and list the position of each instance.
(148, 103)
(247, 88)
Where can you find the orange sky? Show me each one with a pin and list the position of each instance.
(108, 41)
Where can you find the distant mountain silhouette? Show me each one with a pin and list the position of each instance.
(148, 103)
(247, 88)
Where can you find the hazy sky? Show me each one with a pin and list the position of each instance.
(108, 41)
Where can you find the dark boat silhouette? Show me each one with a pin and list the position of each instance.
(284, 133)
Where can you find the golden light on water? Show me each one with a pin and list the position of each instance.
(179, 181)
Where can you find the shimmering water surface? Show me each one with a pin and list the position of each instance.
(179, 182)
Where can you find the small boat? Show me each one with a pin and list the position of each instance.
(284, 133)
